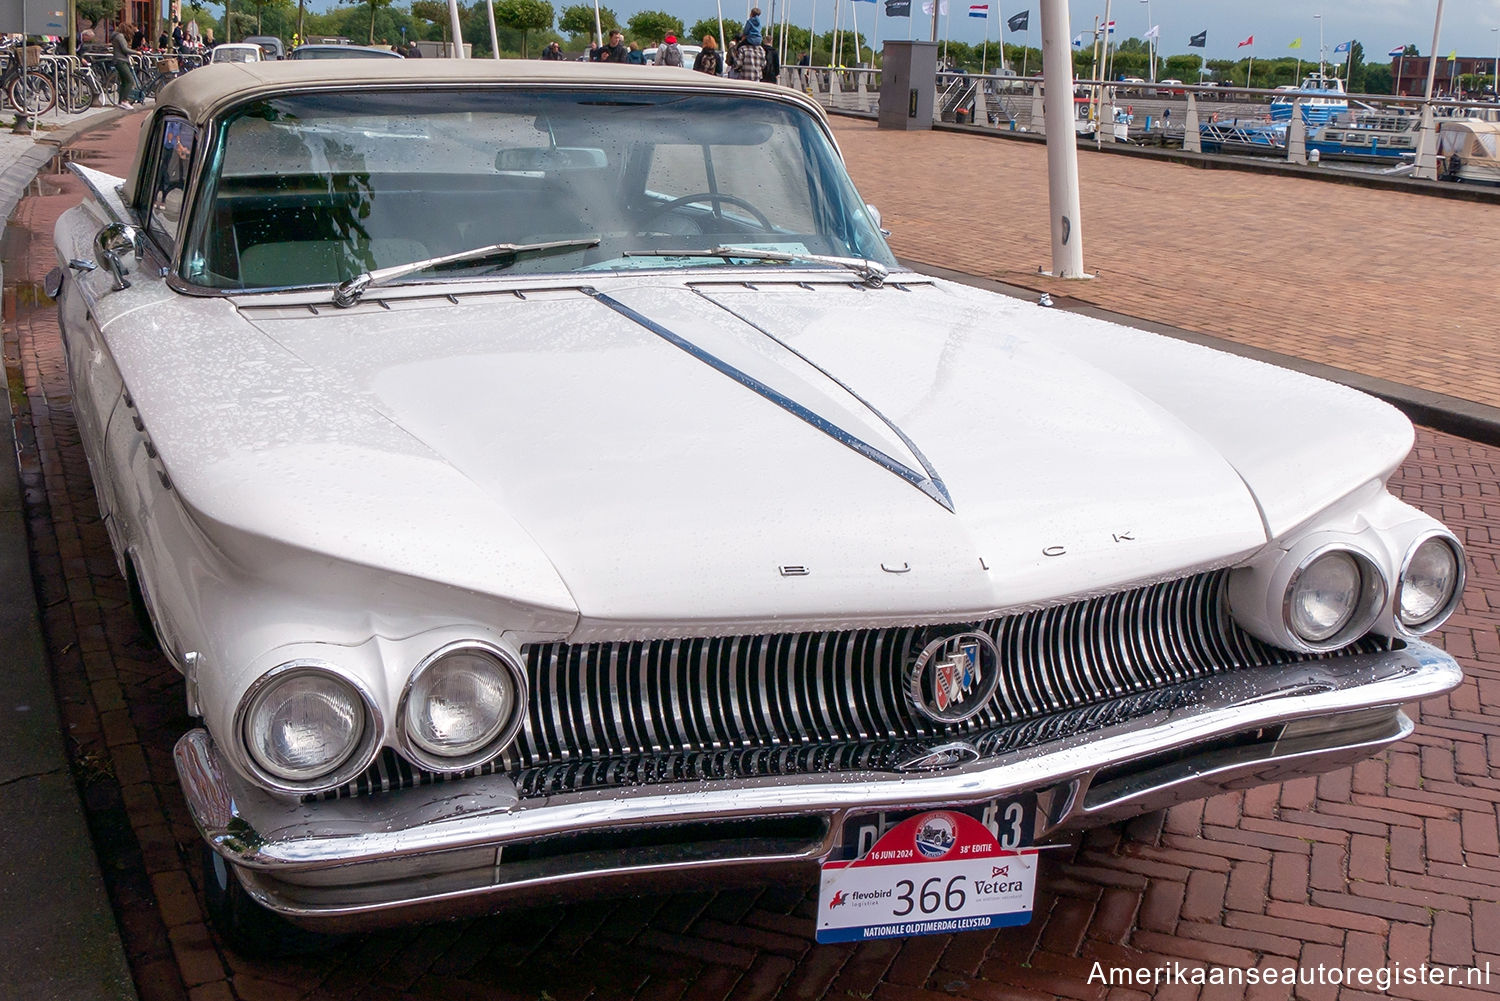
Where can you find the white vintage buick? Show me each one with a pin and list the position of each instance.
(547, 481)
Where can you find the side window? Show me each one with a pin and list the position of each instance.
(169, 177)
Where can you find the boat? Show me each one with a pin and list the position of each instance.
(1321, 98)
(1373, 137)
(1469, 150)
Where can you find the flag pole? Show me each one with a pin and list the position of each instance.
(947, 29)
(854, 20)
(836, 50)
(985, 51)
(1026, 45)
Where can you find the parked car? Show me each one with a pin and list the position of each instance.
(1171, 87)
(236, 52)
(548, 482)
(342, 52)
(270, 45)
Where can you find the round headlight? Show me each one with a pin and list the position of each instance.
(1333, 598)
(1428, 584)
(461, 705)
(303, 723)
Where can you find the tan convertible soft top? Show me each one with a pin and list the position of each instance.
(203, 91)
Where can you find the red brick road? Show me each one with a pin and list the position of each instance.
(1394, 861)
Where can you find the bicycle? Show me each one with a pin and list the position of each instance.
(28, 90)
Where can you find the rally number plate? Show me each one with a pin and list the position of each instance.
(932, 873)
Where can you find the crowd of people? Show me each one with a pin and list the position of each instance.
(749, 56)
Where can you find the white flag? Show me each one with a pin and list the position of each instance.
(1155, 31)
(927, 8)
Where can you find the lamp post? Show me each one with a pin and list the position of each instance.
(1495, 88)
(1319, 19)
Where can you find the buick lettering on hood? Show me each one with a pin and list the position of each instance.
(547, 482)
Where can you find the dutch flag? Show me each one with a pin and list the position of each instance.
(1397, 51)
(979, 10)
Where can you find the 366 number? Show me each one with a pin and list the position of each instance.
(929, 900)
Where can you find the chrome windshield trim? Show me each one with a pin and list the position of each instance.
(923, 481)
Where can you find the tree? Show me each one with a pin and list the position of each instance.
(260, 10)
(578, 19)
(1182, 67)
(710, 26)
(524, 16)
(1379, 79)
(650, 26)
(96, 11)
(1354, 76)
(374, 6)
(435, 12)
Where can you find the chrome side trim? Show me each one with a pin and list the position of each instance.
(295, 841)
(923, 481)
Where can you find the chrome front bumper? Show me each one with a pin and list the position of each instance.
(474, 845)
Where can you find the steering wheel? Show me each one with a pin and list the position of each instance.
(715, 197)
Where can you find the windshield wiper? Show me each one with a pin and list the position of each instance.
(349, 292)
(873, 272)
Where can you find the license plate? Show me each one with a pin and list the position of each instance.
(932, 873)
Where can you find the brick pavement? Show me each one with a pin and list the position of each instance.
(1399, 286)
(1394, 860)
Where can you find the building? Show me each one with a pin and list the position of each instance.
(1410, 73)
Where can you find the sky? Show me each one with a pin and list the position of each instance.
(1379, 24)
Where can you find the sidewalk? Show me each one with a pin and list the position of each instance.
(58, 937)
(1383, 284)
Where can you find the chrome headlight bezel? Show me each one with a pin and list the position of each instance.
(448, 764)
(356, 761)
(1447, 607)
(1370, 599)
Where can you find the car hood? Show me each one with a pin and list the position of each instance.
(707, 455)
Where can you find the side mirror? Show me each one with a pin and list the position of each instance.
(119, 246)
(875, 214)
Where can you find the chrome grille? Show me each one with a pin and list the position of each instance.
(606, 700)
(672, 710)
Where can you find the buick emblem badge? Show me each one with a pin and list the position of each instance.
(954, 677)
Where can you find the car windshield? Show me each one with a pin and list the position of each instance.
(318, 189)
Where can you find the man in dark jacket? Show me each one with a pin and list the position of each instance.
(772, 68)
(552, 52)
(615, 51)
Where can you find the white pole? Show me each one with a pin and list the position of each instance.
(1319, 19)
(494, 38)
(1062, 142)
(985, 52)
(947, 28)
(812, 36)
(458, 35)
(854, 19)
(723, 49)
(836, 51)
(598, 25)
(1426, 163)
(1497, 64)
(1107, 54)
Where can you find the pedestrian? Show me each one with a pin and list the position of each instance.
(752, 32)
(748, 60)
(635, 56)
(668, 54)
(121, 51)
(709, 60)
(552, 52)
(615, 51)
(178, 36)
(772, 71)
(413, 50)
